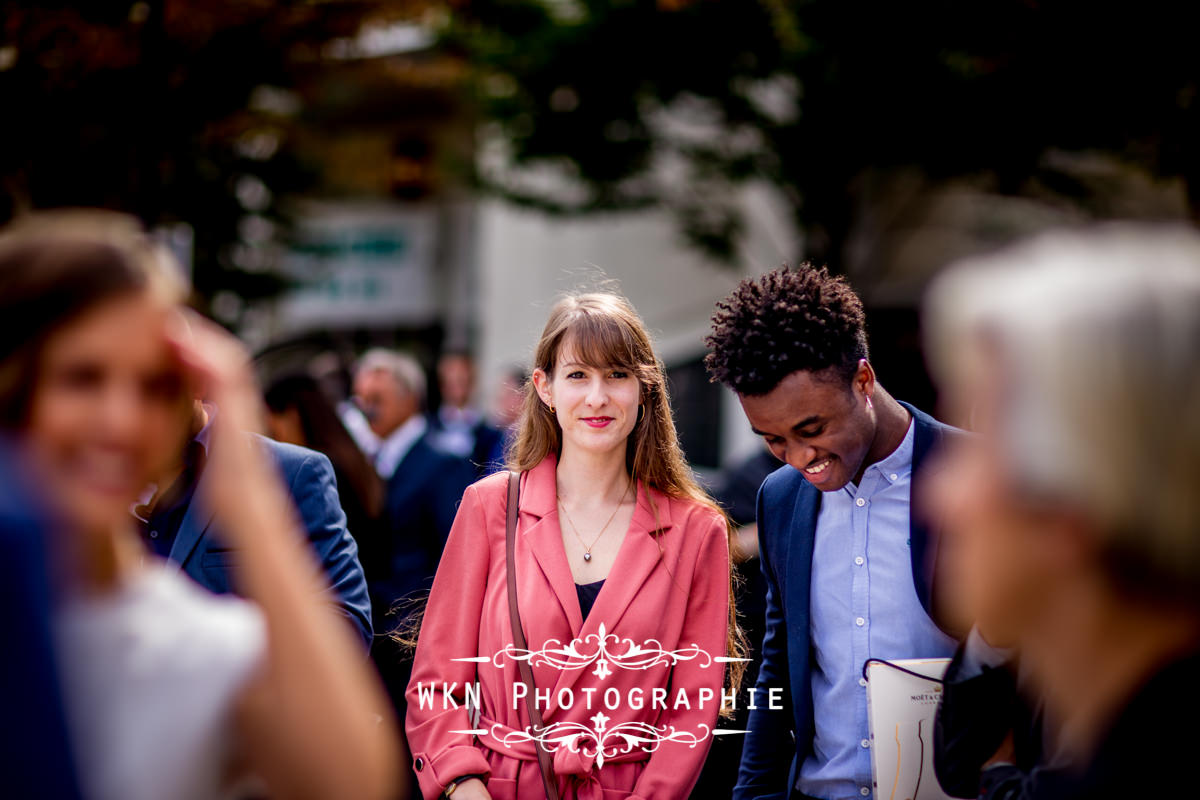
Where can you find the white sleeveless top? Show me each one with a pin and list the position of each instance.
(150, 673)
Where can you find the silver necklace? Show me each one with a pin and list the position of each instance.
(587, 549)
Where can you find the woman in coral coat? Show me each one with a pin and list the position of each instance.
(623, 582)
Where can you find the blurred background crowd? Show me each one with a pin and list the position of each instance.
(383, 198)
(430, 174)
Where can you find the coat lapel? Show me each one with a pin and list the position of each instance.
(539, 530)
(199, 515)
(196, 520)
(800, 546)
(636, 559)
(923, 439)
(409, 478)
(928, 437)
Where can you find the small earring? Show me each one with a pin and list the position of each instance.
(551, 407)
(869, 402)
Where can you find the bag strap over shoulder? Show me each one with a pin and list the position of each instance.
(514, 613)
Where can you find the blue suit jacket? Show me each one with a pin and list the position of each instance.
(788, 506)
(207, 558)
(35, 759)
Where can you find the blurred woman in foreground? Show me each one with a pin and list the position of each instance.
(171, 692)
(1074, 519)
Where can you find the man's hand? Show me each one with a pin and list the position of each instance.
(1006, 754)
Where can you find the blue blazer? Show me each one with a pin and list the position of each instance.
(206, 557)
(788, 506)
(35, 759)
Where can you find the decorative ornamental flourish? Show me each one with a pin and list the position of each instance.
(600, 742)
(578, 654)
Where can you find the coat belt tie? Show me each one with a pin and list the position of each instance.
(577, 765)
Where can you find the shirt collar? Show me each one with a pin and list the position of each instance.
(466, 417)
(205, 435)
(898, 463)
(396, 445)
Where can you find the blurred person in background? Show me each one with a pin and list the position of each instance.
(1074, 518)
(300, 413)
(850, 568)
(613, 534)
(457, 427)
(423, 483)
(422, 487)
(170, 691)
(334, 373)
(177, 524)
(507, 401)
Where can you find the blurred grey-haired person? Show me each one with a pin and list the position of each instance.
(1074, 517)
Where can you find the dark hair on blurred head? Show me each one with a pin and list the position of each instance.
(783, 322)
(324, 432)
(54, 267)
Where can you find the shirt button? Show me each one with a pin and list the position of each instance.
(865, 742)
(894, 476)
(153, 534)
(864, 791)
(419, 763)
(858, 560)
(860, 622)
(860, 502)
(862, 681)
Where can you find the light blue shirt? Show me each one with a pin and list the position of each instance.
(864, 605)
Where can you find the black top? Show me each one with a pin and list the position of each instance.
(587, 595)
(975, 716)
(1145, 752)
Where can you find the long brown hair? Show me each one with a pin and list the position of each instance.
(324, 432)
(604, 331)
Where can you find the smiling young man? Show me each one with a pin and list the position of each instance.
(848, 567)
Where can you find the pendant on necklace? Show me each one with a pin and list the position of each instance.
(587, 556)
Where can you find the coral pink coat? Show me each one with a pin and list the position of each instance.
(667, 593)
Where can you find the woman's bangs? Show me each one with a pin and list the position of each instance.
(599, 342)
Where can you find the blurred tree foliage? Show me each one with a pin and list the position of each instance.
(174, 110)
(677, 101)
(188, 109)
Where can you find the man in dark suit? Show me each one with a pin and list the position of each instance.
(848, 567)
(424, 487)
(424, 484)
(177, 524)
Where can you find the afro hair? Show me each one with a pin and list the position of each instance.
(783, 322)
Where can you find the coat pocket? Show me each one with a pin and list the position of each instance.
(219, 568)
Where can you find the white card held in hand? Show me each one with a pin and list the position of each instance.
(901, 705)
